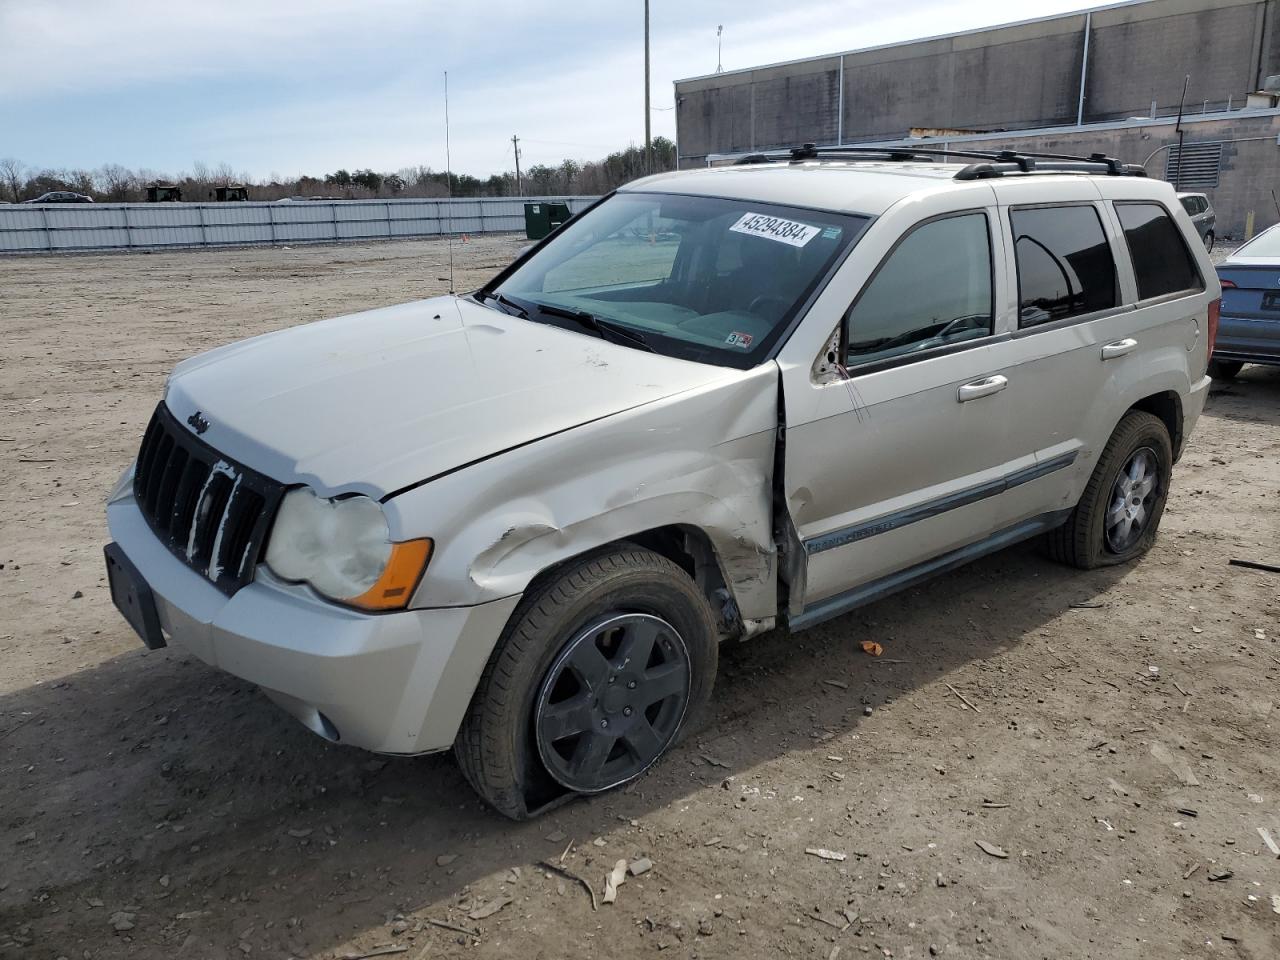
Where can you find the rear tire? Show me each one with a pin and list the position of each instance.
(1225, 369)
(538, 723)
(1116, 519)
(1208, 242)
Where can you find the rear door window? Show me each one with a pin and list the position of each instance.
(1065, 267)
(1162, 263)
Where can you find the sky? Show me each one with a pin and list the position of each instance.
(283, 87)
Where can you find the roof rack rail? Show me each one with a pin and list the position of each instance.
(993, 163)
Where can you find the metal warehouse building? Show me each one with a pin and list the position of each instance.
(1107, 79)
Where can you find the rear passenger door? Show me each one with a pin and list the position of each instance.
(1094, 340)
(1067, 332)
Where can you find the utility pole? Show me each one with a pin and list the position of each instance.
(515, 146)
(648, 140)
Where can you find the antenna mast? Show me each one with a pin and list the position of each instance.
(448, 173)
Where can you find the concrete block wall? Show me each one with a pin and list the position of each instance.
(1005, 78)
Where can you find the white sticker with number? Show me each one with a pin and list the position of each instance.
(775, 228)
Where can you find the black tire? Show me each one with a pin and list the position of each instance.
(1083, 540)
(1225, 369)
(497, 747)
(1209, 239)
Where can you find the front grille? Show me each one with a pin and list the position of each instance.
(211, 512)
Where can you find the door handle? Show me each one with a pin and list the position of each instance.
(1119, 348)
(982, 388)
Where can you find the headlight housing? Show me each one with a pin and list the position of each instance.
(343, 549)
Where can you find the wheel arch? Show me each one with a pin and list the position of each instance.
(687, 546)
(1167, 406)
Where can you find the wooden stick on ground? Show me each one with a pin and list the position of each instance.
(569, 874)
(963, 699)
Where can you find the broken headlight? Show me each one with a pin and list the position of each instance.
(343, 549)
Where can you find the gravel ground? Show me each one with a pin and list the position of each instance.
(1118, 756)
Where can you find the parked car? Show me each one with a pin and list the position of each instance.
(1202, 215)
(1249, 331)
(61, 196)
(519, 522)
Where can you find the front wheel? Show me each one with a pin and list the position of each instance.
(1120, 510)
(1208, 242)
(595, 677)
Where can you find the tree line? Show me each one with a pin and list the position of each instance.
(117, 184)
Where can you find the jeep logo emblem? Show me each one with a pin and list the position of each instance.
(197, 423)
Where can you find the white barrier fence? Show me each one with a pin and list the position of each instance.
(45, 228)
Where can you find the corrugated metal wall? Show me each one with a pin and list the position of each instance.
(28, 228)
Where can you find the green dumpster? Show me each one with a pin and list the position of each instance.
(541, 218)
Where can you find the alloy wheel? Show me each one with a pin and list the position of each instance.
(1133, 496)
(612, 701)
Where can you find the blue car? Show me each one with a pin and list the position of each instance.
(1249, 329)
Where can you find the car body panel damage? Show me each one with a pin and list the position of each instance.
(704, 462)
(378, 401)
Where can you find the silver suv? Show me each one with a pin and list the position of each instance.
(519, 522)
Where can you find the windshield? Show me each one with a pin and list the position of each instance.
(1265, 244)
(699, 278)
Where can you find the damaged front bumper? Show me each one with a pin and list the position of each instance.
(393, 682)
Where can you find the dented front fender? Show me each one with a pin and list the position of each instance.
(703, 458)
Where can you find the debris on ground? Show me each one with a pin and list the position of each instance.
(486, 910)
(1254, 565)
(122, 920)
(871, 647)
(639, 865)
(992, 849)
(616, 878)
(1179, 767)
(377, 952)
(445, 859)
(963, 699)
(1271, 844)
(825, 854)
(570, 875)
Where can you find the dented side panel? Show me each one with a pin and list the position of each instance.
(702, 459)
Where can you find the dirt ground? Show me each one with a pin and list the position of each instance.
(1120, 750)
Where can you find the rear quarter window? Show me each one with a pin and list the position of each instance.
(1162, 262)
(1065, 267)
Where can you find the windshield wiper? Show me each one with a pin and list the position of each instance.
(604, 329)
(506, 301)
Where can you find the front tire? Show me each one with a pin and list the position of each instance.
(1120, 510)
(596, 675)
(1208, 242)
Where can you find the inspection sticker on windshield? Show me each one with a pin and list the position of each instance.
(740, 340)
(775, 228)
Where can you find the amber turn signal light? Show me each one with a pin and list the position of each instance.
(404, 570)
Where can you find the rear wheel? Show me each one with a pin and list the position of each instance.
(1224, 369)
(1208, 241)
(1120, 510)
(596, 675)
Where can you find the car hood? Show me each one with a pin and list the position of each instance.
(378, 401)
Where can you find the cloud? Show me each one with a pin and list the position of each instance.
(295, 85)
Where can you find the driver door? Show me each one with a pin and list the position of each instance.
(894, 456)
